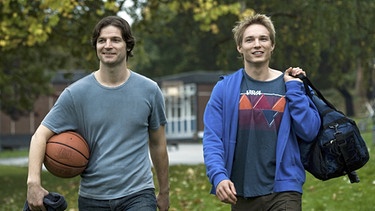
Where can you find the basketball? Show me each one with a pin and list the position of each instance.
(66, 155)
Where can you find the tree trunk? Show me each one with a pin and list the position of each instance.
(359, 89)
(349, 107)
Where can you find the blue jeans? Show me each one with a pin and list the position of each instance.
(144, 200)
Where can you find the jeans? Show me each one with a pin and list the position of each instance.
(144, 200)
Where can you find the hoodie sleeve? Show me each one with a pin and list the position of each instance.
(213, 146)
(305, 117)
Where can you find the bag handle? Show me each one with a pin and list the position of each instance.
(307, 83)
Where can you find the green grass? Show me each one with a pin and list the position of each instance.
(190, 189)
(13, 153)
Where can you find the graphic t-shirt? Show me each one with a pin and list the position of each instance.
(261, 108)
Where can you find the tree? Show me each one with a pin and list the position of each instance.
(179, 36)
(55, 35)
(39, 37)
(332, 40)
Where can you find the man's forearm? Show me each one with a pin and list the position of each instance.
(160, 160)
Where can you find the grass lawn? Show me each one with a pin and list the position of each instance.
(190, 189)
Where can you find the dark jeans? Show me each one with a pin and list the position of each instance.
(144, 200)
(284, 201)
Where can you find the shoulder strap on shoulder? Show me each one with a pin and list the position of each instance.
(307, 83)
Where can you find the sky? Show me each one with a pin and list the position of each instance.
(124, 15)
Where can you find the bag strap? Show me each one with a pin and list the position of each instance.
(308, 85)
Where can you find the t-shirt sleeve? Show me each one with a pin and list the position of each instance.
(60, 118)
(157, 116)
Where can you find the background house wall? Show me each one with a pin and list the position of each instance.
(203, 82)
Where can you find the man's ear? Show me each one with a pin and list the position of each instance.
(239, 49)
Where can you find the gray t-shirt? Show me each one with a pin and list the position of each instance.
(115, 123)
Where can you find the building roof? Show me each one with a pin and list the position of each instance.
(63, 77)
(198, 77)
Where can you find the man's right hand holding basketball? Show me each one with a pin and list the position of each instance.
(35, 195)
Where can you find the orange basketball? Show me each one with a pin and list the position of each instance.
(67, 154)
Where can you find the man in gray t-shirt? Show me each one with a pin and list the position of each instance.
(121, 115)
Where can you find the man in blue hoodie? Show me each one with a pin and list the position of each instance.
(252, 121)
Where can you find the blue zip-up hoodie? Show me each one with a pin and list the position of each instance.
(221, 119)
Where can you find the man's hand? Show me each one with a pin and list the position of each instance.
(226, 192)
(35, 195)
(292, 72)
(163, 201)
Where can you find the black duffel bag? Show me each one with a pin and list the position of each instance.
(339, 148)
